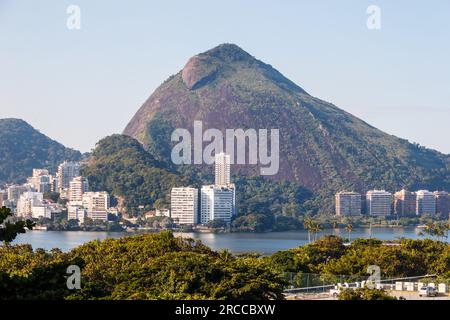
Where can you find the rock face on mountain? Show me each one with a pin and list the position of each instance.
(23, 148)
(322, 147)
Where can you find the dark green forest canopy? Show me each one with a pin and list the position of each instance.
(23, 148)
(161, 266)
(157, 266)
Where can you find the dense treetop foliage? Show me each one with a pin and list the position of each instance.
(156, 266)
(23, 148)
(161, 266)
(9, 229)
(329, 257)
(364, 294)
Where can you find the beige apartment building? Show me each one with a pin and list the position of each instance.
(348, 204)
(404, 203)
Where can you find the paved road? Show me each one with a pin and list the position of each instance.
(408, 295)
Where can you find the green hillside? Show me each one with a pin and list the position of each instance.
(23, 148)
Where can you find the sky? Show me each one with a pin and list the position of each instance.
(80, 85)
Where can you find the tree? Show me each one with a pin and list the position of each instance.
(349, 229)
(54, 196)
(225, 255)
(216, 224)
(166, 223)
(364, 294)
(335, 224)
(315, 229)
(436, 229)
(307, 224)
(9, 231)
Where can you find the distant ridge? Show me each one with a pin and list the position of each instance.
(23, 148)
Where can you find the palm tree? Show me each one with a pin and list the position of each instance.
(349, 229)
(335, 224)
(316, 228)
(307, 224)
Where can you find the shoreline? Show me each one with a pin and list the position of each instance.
(211, 231)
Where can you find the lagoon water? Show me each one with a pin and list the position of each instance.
(264, 243)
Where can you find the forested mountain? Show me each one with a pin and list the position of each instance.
(23, 148)
(322, 148)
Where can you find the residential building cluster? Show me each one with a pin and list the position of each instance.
(27, 200)
(402, 203)
(212, 202)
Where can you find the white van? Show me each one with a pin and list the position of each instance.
(427, 291)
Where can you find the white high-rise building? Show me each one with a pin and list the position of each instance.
(442, 203)
(77, 187)
(15, 191)
(378, 202)
(184, 205)
(27, 201)
(425, 203)
(96, 205)
(3, 197)
(66, 172)
(222, 169)
(217, 203)
(41, 180)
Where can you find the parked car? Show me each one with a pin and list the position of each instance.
(427, 291)
(335, 292)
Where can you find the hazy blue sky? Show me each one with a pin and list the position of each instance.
(78, 86)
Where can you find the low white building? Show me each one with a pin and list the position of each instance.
(162, 212)
(76, 212)
(41, 211)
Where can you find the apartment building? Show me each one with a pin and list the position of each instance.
(348, 204)
(217, 203)
(404, 203)
(76, 212)
(77, 187)
(222, 169)
(184, 205)
(41, 181)
(425, 203)
(442, 203)
(27, 201)
(66, 172)
(378, 202)
(96, 205)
